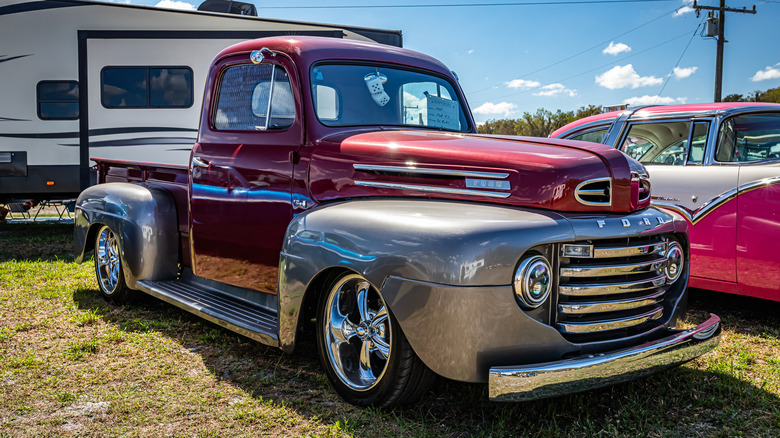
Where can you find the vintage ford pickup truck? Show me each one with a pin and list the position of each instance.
(340, 184)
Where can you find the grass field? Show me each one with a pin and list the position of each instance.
(71, 364)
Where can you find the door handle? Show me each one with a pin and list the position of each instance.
(200, 162)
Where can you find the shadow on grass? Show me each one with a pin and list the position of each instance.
(34, 241)
(678, 402)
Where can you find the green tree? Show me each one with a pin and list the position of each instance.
(734, 98)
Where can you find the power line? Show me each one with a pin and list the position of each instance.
(679, 59)
(599, 67)
(468, 5)
(581, 52)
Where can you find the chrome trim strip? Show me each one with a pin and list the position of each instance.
(581, 290)
(551, 379)
(577, 192)
(590, 307)
(694, 216)
(451, 191)
(610, 324)
(609, 270)
(628, 251)
(427, 171)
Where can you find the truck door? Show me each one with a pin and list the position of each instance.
(241, 171)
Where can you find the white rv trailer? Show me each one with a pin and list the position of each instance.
(95, 79)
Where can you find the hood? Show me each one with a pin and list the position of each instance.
(561, 175)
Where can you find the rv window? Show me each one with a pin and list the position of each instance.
(58, 100)
(242, 104)
(146, 87)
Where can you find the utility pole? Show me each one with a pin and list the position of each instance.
(720, 20)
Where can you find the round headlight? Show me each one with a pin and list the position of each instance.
(533, 281)
(675, 261)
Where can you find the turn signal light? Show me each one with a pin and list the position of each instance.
(49, 183)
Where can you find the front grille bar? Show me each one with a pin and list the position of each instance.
(590, 307)
(612, 269)
(610, 324)
(657, 247)
(597, 289)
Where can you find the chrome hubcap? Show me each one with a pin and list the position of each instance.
(107, 254)
(357, 333)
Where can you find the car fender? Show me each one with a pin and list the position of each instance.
(433, 242)
(144, 221)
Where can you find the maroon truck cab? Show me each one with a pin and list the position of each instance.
(343, 182)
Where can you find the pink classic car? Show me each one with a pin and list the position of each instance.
(718, 165)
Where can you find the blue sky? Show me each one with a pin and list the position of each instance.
(513, 59)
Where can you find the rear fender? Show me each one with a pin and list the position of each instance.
(143, 219)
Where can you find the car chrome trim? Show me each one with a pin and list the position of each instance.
(447, 190)
(551, 379)
(612, 288)
(694, 216)
(628, 251)
(610, 324)
(610, 270)
(427, 171)
(590, 307)
(606, 192)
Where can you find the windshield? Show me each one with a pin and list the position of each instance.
(358, 95)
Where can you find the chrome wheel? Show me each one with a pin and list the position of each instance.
(107, 261)
(357, 333)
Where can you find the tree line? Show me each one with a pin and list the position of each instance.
(543, 122)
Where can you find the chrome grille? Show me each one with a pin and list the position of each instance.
(617, 291)
(597, 192)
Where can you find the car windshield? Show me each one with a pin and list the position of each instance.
(360, 95)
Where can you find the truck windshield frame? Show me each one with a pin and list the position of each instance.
(347, 94)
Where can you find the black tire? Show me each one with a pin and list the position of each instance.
(108, 267)
(354, 328)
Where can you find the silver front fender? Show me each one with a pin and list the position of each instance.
(145, 222)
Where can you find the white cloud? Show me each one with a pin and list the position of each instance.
(769, 72)
(684, 72)
(522, 83)
(683, 10)
(175, 4)
(626, 76)
(614, 49)
(556, 90)
(470, 51)
(654, 100)
(504, 108)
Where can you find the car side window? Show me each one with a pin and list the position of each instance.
(663, 143)
(595, 135)
(751, 137)
(698, 142)
(254, 98)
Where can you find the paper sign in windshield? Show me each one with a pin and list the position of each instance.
(443, 113)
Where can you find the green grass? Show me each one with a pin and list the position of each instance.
(72, 364)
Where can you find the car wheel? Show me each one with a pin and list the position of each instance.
(365, 355)
(108, 267)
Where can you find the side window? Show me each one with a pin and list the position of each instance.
(698, 142)
(749, 138)
(58, 100)
(254, 98)
(146, 87)
(595, 135)
(657, 143)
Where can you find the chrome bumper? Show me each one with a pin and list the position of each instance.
(551, 379)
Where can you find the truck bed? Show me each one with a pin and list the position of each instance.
(170, 177)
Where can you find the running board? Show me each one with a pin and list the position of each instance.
(236, 314)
